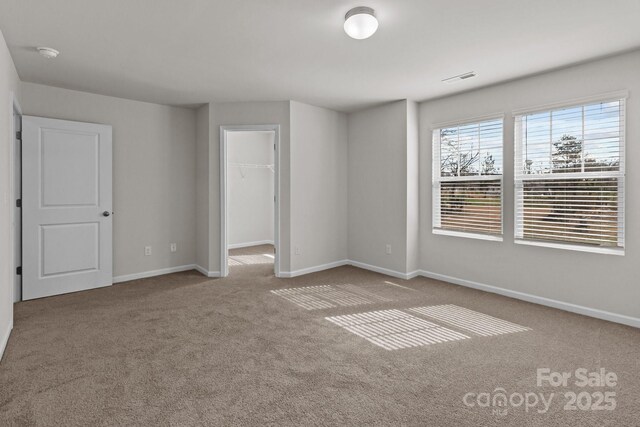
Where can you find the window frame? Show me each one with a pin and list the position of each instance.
(620, 175)
(437, 178)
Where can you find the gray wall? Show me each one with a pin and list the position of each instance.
(318, 186)
(9, 83)
(245, 113)
(154, 183)
(597, 281)
(413, 188)
(250, 190)
(377, 186)
(203, 202)
(313, 189)
(349, 185)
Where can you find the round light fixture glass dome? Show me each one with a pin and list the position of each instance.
(360, 23)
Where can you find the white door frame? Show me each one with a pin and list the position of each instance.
(14, 109)
(224, 251)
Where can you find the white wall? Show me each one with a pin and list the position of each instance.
(154, 182)
(250, 205)
(603, 282)
(378, 186)
(9, 85)
(318, 186)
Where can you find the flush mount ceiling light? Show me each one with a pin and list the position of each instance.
(360, 23)
(48, 52)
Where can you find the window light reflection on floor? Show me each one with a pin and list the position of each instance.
(328, 296)
(469, 320)
(395, 329)
(321, 296)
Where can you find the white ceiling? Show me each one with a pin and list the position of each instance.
(187, 52)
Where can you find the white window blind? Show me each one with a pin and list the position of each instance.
(467, 179)
(569, 171)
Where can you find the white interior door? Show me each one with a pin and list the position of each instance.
(66, 206)
(17, 213)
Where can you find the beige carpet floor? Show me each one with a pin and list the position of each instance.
(185, 350)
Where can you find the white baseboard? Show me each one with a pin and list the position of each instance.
(561, 305)
(205, 272)
(301, 272)
(413, 274)
(153, 273)
(5, 339)
(247, 244)
(388, 272)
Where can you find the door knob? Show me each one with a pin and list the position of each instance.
(106, 213)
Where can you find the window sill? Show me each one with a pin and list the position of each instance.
(468, 235)
(570, 247)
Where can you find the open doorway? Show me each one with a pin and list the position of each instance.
(249, 197)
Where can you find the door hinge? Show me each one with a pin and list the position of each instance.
(274, 147)
(18, 203)
(19, 271)
(19, 135)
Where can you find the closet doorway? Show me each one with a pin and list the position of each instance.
(249, 198)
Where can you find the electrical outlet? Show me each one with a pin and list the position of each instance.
(147, 251)
(297, 250)
(388, 249)
(173, 247)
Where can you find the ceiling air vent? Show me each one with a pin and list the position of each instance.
(459, 77)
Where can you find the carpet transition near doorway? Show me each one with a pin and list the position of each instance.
(184, 349)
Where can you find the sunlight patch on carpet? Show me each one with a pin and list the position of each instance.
(395, 329)
(469, 320)
(364, 292)
(386, 282)
(329, 296)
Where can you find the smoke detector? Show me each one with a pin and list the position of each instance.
(48, 52)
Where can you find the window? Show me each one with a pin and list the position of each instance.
(569, 170)
(467, 180)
